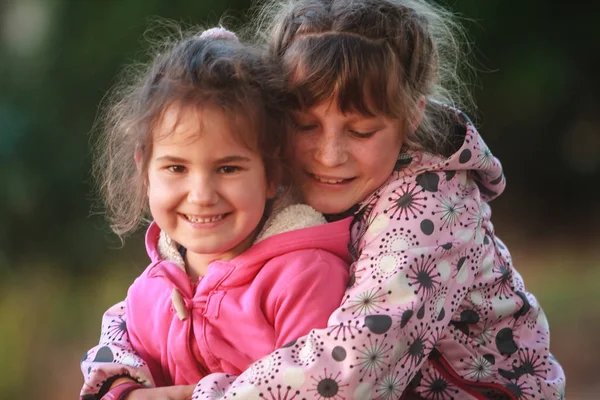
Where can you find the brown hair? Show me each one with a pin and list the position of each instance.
(376, 56)
(196, 71)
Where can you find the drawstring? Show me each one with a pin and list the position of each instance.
(183, 306)
(179, 305)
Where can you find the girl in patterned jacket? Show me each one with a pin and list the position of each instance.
(435, 308)
(198, 142)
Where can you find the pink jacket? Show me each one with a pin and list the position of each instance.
(435, 305)
(242, 310)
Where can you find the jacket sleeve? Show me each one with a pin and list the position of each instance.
(419, 248)
(307, 300)
(112, 357)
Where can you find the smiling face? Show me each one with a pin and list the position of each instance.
(340, 159)
(206, 189)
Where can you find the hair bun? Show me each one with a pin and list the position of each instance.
(219, 33)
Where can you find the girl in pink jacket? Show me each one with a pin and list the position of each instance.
(435, 308)
(198, 143)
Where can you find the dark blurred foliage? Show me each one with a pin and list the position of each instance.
(536, 92)
(539, 105)
(58, 59)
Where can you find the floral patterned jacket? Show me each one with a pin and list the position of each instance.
(434, 304)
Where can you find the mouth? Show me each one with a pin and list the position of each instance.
(330, 180)
(206, 219)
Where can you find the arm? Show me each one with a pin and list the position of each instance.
(417, 260)
(307, 301)
(113, 359)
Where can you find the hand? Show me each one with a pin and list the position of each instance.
(163, 393)
(410, 394)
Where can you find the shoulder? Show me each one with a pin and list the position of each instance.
(291, 264)
(425, 209)
(146, 281)
(302, 270)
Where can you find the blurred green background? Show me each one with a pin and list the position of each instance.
(60, 268)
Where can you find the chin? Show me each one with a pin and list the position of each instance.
(326, 206)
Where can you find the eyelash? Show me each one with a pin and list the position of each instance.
(231, 167)
(305, 128)
(361, 135)
(226, 169)
(176, 169)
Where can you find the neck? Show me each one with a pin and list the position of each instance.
(197, 264)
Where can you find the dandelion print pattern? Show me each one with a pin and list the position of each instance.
(368, 302)
(328, 386)
(373, 357)
(407, 203)
(115, 332)
(434, 387)
(430, 278)
(480, 368)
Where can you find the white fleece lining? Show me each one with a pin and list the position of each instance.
(289, 218)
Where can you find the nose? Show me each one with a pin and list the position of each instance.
(330, 149)
(203, 191)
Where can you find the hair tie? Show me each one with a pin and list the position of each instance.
(219, 33)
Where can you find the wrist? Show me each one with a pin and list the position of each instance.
(120, 380)
(122, 390)
(112, 382)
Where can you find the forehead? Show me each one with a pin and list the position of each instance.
(330, 110)
(189, 123)
(356, 73)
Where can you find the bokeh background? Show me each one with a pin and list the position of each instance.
(60, 268)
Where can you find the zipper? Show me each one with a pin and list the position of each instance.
(193, 346)
(194, 350)
(441, 365)
(187, 317)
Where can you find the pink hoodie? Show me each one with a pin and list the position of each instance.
(243, 309)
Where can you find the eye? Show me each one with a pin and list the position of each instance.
(228, 169)
(304, 124)
(177, 169)
(362, 135)
(306, 127)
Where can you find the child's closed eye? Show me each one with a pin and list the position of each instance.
(305, 124)
(305, 127)
(362, 135)
(228, 169)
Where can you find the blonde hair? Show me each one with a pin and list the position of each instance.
(377, 57)
(195, 70)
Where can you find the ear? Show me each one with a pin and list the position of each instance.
(274, 180)
(417, 115)
(271, 190)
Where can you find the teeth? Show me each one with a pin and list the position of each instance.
(195, 219)
(325, 180)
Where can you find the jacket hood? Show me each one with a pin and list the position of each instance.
(466, 150)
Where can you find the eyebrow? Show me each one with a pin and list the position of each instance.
(234, 158)
(172, 159)
(352, 116)
(224, 160)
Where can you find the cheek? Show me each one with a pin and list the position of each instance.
(381, 156)
(301, 146)
(392, 140)
(250, 192)
(159, 192)
(156, 199)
